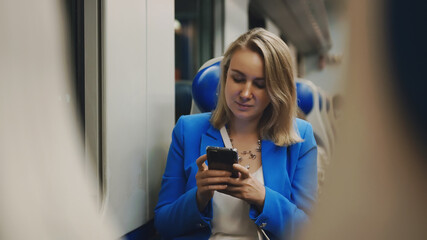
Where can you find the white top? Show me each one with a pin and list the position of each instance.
(231, 216)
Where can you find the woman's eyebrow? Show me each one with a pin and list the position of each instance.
(241, 73)
(237, 71)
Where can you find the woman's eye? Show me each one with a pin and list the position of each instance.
(238, 79)
(260, 84)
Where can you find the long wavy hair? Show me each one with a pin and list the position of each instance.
(277, 121)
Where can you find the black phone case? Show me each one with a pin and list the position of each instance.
(220, 158)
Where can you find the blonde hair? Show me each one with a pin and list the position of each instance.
(277, 121)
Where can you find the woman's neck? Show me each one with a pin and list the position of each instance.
(244, 127)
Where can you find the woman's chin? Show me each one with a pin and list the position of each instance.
(244, 115)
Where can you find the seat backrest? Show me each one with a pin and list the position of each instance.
(309, 102)
(325, 117)
(330, 111)
(206, 86)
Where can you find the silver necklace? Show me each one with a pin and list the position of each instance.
(248, 153)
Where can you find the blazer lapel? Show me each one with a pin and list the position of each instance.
(212, 137)
(274, 165)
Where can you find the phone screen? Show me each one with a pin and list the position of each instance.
(220, 158)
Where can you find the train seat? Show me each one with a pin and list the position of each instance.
(310, 102)
(205, 86)
(331, 115)
(325, 117)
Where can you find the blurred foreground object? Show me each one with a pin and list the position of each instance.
(44, 191)
(376, 187)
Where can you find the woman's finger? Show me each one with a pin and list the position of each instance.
(233, 189)
(214, 181)
(243, 171)
(201, 162)
(235, 182)
(236, 194)
(217, 173)
(218, 187)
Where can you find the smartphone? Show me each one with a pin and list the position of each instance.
(221, 158)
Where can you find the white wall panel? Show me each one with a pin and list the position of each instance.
(160, 95)
(44, 192)
(138, 105)
(91, 88)
(236, 20)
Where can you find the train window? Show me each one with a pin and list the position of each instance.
(193, 46)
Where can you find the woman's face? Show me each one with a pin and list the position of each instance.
(245, 86)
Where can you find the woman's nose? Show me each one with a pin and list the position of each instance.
(246, 92)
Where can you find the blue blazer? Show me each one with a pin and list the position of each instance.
(290, 179)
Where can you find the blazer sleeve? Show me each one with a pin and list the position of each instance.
(176, 213)
(282, 217)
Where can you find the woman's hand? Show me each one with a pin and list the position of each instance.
(246, 188)
(208, 181)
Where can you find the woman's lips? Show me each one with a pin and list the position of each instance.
(243, 106)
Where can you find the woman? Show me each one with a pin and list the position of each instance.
(277, 179)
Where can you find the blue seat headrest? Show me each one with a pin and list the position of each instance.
(205, 87)
(305, 98)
